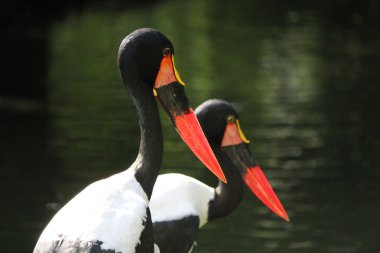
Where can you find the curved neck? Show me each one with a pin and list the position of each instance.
(227, 196)
(148, 161)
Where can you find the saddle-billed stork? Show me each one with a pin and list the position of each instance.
(112, 215)
(180, 204)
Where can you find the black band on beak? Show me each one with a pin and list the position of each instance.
(173, 99)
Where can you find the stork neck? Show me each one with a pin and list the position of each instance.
(227, 196)
(148, 161)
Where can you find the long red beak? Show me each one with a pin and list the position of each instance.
(191, 132)
(259, 185)
(235, 145)
(169, 90)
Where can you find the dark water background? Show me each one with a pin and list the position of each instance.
(305, 75)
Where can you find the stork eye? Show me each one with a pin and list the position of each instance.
(166, 51)
(231, 119)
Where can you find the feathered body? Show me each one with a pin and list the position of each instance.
(112, 215)
(99, 215)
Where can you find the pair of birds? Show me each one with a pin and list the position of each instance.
(124, 213)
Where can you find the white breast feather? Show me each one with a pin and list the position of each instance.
(111, 210)
(176, 196)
